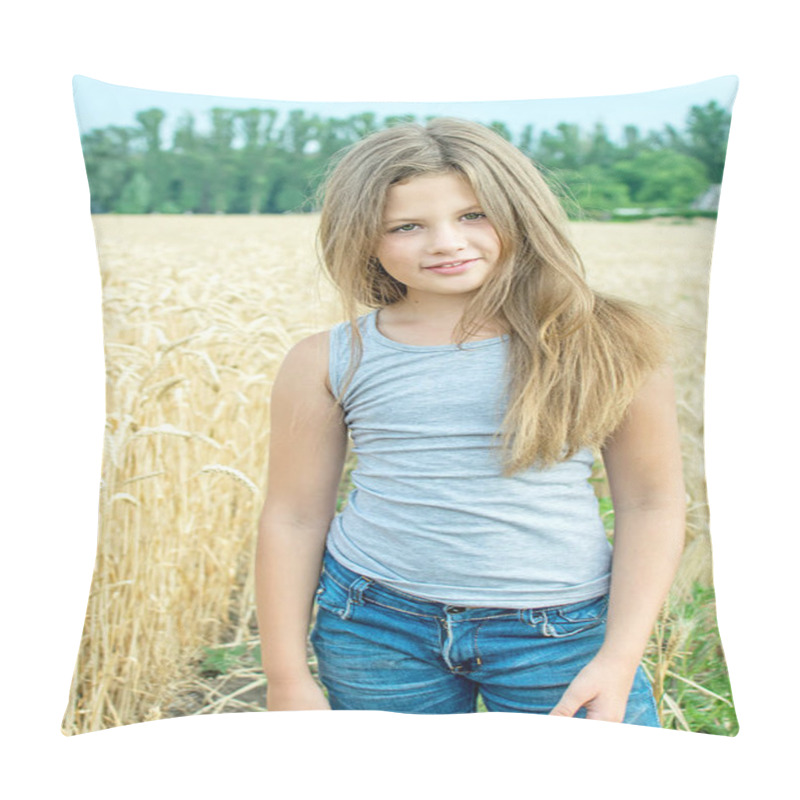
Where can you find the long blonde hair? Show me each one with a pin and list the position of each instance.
(576, 357)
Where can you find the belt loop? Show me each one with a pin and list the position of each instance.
(547, 628)
(534, 616)
(357, 589)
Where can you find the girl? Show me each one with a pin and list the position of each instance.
(470, 558)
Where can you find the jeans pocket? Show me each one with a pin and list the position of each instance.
(338, 599)
(575, 618)
(330, 595)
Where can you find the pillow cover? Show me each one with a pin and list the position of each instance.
(204, 219)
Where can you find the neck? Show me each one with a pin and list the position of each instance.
(437, 310)
(426, 321)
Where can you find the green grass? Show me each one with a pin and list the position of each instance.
(229, 658)
(696, 692)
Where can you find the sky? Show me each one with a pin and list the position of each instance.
(99, 104)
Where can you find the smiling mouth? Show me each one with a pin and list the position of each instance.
(452, 266)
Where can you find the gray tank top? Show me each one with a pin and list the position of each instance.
(431, 513)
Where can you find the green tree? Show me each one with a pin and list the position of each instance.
(252, 178)
(526, 142)
(332, 135)
(502, 129)
(250, 163)
(220, 159)
(136, 196)
(662, 178)
(562, 150)
(153, 162)
(595, 189)
(632, 143)
(150, 121)
(299, 131)
(189, 165)
(185, 138)
(707, 129)
(362, 124)
(398, 119)
(107, 154)
(602, 151)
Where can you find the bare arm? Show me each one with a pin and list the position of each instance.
(643, 464)
(308, 442)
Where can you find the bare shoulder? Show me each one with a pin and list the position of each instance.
(310, 350)
(305, 366)
(307, 438)
(657, 390)
(652, 409)
(301, 394)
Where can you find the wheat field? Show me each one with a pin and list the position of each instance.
(198, 313)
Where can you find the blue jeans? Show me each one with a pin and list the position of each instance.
(384, 650)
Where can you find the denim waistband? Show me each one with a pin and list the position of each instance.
(371, 590)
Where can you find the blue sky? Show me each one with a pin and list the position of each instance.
(99, 104)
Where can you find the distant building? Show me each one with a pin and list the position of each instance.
(709, 200)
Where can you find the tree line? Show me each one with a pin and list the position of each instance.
(248, 163)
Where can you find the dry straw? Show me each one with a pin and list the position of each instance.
(198, 313)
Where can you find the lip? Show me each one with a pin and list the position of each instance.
(452, 267)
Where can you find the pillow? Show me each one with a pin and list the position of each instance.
(204, 220)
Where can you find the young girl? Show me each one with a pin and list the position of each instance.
(470, 558)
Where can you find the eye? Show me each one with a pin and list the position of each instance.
(473, 215)
(409, 226)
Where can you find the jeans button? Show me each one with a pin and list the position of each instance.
(455, 609)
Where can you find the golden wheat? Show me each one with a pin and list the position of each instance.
(198, 314)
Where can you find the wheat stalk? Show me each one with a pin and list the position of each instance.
(191, 354)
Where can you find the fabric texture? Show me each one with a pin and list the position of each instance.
(383, 650)
(431, 513)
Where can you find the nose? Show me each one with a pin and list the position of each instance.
(446, 239)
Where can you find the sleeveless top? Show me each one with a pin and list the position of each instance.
(430, 513)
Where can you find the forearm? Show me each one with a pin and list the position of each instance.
(643, 465)
(647, 548)
(288, 561)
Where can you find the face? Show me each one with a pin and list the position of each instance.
(436, 239)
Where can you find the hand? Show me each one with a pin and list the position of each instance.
(601, 687)
(303, 694)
